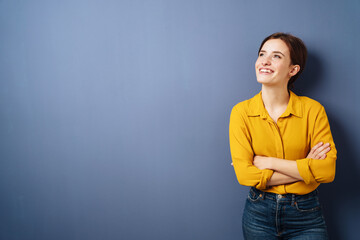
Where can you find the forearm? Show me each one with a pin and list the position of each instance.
(279, 179)
(286, 167)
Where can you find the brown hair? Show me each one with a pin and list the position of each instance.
(298, 52)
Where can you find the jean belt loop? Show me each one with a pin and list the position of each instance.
(293, 199)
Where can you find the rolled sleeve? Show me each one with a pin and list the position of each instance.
(242, 154)
(266, 174)
(319, 170)
(305, 171)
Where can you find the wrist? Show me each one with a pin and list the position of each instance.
(272, 163)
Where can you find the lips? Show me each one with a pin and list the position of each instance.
(265, 70)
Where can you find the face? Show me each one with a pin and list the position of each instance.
(273, 66)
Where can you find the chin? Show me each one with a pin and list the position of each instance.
(264, 81)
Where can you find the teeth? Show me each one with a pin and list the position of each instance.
(265, 71)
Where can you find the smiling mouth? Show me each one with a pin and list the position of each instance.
(264, 70)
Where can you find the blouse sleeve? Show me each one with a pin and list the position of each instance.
(319, 170)
(242, 154)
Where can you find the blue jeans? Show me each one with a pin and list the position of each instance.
(270, 216)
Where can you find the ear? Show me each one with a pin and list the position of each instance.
(294, 70)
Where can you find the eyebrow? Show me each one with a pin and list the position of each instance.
(273, 52)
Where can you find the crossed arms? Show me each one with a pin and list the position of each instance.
(286, 171)
(262, 172)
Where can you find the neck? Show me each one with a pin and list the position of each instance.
(275, 97)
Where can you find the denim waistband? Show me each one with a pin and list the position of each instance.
(289, 196)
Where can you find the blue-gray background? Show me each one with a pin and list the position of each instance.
(114, 114)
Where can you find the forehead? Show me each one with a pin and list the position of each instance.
(275, 45)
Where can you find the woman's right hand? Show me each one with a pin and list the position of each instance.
(319, 151)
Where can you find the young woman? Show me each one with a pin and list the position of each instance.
(282, 147)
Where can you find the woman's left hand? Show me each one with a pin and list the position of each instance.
(262, 162)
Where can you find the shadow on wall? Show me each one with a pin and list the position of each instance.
(309, 81)
(339, 191)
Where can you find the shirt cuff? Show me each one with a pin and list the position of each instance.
(305, 171)
(265, 177)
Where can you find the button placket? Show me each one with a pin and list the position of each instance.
(281, 150)
(278, 140)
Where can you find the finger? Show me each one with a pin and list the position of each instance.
(320, 149)
(316, 147)
(323, 157)
(232, 164)
(323, 152)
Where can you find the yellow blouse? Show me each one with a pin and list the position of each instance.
(303, 124)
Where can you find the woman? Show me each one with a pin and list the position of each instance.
(281, 145)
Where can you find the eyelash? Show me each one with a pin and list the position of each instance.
(275, 56)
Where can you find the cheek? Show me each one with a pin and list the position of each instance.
(282, 69)
(257, 63)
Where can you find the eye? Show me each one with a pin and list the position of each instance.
(277, 56)
(261, 54)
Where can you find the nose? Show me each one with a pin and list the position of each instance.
(265, 61)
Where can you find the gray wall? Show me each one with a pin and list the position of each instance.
(114, 114)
